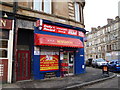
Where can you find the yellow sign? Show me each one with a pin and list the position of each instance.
(48, 63)
(62, 41)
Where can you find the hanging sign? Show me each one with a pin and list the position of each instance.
(39, 23)
(49, 62)
(5, 23)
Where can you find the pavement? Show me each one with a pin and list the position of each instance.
(92, 75)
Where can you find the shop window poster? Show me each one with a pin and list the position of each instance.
(49, 62)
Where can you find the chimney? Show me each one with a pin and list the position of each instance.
(98, 27)
(117, 18)
(109, 20)
(93, 29)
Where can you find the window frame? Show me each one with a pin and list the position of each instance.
(43, 6)
(6, 39)
(77, 14)
(40, 7)
(50, 7)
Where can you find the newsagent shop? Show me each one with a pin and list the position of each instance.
(58, 50)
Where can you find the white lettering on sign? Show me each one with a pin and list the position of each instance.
(81, 34)
(81, 55)
(3, 23)
(61, 30)
(72, 32)
(1, 70)
(49, 28)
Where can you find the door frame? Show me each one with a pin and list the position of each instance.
(67, 53)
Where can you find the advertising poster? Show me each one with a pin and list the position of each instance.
(49, 62)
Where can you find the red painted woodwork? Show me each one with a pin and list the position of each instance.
(23, 65)
(3, 70)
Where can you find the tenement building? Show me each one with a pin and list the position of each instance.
(103, 42)
(41, 39)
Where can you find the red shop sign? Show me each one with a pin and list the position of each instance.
(49, 28)
(72, 32)
(5, 23)
(81, 34)
(61, 30)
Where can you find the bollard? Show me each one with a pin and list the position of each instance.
(105, 70)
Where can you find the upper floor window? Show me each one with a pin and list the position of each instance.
(47, 6)
(37, 5)
(77, 11)
(43, 5)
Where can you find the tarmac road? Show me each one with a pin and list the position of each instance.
(113, 83)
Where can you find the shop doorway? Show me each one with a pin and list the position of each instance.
(24, 54)
(67, 64)
(23, 65)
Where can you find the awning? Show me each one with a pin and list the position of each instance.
(49, 40)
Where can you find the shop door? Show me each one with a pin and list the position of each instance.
(67, 64)
(70, 62)
(23, 65)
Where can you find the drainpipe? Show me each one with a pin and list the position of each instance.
(15, 7)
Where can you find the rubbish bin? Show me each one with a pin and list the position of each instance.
(105, 70)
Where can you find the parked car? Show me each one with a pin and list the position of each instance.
(114, 66)
(98, 62)
(88, 62)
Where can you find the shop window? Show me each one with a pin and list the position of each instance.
(43, 5)
(49, 58)
(4, 37)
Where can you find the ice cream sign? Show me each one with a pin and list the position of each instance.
(72, 32)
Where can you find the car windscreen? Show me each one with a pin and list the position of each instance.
(100, 60)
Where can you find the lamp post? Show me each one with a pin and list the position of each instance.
(15, 7)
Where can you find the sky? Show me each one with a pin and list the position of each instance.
(96, 12)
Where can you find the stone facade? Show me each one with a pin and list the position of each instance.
(61, 11)
(103, 42)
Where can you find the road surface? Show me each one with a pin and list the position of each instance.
(110, 83)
